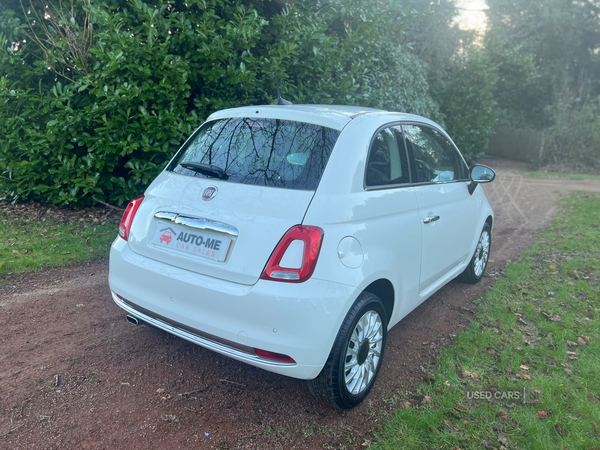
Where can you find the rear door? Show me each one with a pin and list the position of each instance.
(447, 211)
(231, 193)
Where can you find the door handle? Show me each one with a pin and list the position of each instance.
(431, 219)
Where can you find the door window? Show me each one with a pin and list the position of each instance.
(436, 158)
(387, 163)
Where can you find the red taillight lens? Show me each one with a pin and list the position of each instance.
(274, 356)
(128, 216)
(312, 237)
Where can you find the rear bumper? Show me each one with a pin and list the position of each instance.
(298, 320)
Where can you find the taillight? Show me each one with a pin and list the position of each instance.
(128, 216)
(295, 257)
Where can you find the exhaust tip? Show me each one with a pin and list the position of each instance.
(134, 320)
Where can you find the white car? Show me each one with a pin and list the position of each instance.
(292, 238)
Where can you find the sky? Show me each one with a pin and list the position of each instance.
(472, 14)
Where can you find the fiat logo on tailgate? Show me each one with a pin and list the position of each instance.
(209, 193)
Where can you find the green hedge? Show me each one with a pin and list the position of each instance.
(157, 69)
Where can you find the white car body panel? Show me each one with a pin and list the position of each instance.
(370, 234)
(445, 243)
(260, 214)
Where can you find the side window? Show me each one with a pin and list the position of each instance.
(436, 158)
(387, 163)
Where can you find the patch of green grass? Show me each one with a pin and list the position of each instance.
(28, 245)
(569, 176)
(536, 329)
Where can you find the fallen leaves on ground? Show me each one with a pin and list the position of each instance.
(551, 317)
(502, 439)
(467, 374)
(426, 399)
(523, 376)
(572, 355)
(541, 414)
(405, 405)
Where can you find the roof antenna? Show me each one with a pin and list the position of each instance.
(280, 101)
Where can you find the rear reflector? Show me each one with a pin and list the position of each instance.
(304, 257)
(273, 356)
(128, 216)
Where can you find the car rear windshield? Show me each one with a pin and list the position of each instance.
(265, 152)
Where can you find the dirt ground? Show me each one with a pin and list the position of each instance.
(75, 374)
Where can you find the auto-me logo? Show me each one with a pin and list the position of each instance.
(167, 235)
(209, 193)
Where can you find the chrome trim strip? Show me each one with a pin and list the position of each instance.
(195, 338)
(165, 215)
(198, 223)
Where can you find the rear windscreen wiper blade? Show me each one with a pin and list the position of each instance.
(206, 169)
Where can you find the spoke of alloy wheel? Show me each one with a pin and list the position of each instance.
(356, 380)
(350, 364)
(352, 351)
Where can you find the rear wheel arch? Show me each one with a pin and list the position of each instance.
(384, 289)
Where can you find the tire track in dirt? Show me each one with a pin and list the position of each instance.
(74, 374)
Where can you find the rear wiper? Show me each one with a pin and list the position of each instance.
(206, 169)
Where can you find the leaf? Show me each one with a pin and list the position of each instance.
(502, 439)
(569, 372)
(523, 376)
(426, 399)
(16, 252)
(553, 267)
(581, 341)
(405, 405)
(552, 318)
(594, 400)
(524, 367)
(428, 378)
(462, 410)
(571, 343)
(541, 414)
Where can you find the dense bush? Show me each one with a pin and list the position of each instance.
(102, 128)
(575, 137)
(466, 99)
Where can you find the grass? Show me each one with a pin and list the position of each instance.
(28, 245)
(569, 176)
(543, 308)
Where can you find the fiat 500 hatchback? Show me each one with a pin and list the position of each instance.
(292, 238)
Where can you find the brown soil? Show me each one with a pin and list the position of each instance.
(75, 374)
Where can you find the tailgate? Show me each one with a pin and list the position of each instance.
(230, 236)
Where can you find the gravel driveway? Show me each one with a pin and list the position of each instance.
(75, 374)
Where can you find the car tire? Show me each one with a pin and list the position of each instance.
(476, 268)
(355, 358)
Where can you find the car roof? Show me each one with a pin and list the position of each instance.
(331, 116)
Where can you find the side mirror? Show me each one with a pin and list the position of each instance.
(480, 174)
